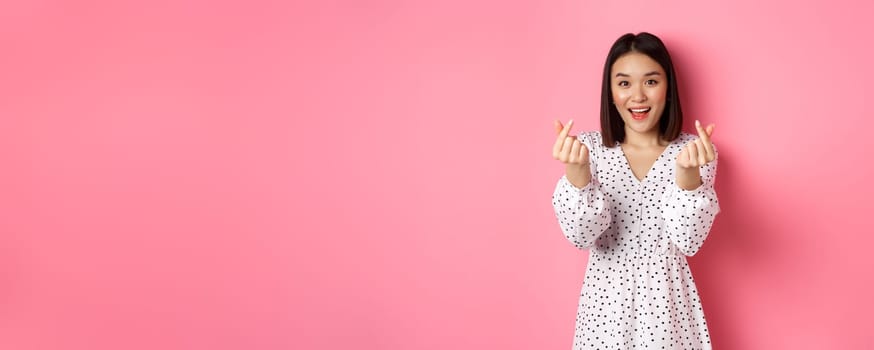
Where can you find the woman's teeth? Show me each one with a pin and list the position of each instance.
(639, 113)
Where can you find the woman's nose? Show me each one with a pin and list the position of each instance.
(637, 95)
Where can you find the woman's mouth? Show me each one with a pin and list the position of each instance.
(639, 113)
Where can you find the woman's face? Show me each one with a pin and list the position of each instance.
(639, 86)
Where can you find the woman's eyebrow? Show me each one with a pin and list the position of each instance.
(646, 75)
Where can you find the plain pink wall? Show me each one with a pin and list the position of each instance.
(377, 175)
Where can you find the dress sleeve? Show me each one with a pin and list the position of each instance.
(583, 213)
(689, 215)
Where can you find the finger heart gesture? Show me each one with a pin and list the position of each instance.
(567, 148)
(700, 151)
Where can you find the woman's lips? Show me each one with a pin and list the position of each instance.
(639, 113)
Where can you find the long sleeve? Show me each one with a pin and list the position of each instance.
(689, 215)
(583, 213)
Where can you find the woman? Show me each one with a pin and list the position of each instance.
(639, 194)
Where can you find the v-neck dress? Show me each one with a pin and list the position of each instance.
(638, 291)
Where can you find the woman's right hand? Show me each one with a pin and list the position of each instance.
(574, 154)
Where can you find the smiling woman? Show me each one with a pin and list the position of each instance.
(639, 194)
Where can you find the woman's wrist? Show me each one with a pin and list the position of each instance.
(579, 175)
(689, 178)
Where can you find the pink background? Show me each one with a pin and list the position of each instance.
(377, 175)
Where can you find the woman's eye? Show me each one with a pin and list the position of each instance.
(623, 83)
(652, 82)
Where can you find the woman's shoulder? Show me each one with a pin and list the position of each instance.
(685, 137)
(592, 138)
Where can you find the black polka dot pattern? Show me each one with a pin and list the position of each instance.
(638, 292)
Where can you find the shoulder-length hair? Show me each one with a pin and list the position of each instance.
(671, 122)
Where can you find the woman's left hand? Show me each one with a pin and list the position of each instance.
(699, 152)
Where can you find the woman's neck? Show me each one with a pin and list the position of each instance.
(648, 139)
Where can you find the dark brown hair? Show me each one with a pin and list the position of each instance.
(612, 126)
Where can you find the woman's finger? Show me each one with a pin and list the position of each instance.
(711, 155)
(681, 157)
(584, 153)
(693, 154)
(559, 140)
(705, 135)
(566, 129)
(702, 134)
(566, 149)
(702, 152)
(574, 156)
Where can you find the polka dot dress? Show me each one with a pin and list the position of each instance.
(638, 291)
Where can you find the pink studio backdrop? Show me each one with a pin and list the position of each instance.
(377, 175)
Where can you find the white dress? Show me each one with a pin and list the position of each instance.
(638, 291)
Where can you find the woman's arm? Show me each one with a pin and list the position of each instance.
(689, 215)
(579, 204)
(691, 205)
(583, 213)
